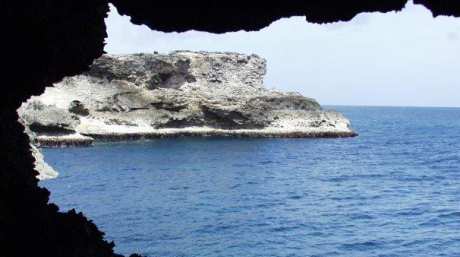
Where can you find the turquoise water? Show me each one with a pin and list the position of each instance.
(392, 191)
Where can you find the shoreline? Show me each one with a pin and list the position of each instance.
(87, 139)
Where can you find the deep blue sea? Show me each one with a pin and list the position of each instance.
(392, 191)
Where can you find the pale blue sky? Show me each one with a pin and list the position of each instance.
(405, 58)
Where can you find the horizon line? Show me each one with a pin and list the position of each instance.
(393, 106)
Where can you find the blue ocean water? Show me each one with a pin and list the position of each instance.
(392, 191)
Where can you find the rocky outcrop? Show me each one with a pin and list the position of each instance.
(45, 119)
(182, 93)
(44, 169)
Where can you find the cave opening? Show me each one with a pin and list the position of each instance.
(252, 196)
(176, 197)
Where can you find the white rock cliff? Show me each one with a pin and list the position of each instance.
(181, 93)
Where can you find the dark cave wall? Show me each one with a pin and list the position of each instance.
(441, 7)
(219, 17)
(45, 40)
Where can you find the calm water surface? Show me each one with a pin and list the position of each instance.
(392, 191)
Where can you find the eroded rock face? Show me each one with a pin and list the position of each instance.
(44, 169)
(182, 93)
(78, 108)
(48, 119)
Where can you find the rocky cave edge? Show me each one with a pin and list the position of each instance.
(48, 40)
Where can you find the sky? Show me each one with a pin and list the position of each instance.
(405, 58)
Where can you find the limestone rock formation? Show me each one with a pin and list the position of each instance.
(44, 169)
(182, 93)
(48, 119)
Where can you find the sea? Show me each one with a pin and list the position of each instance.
(392, 191)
